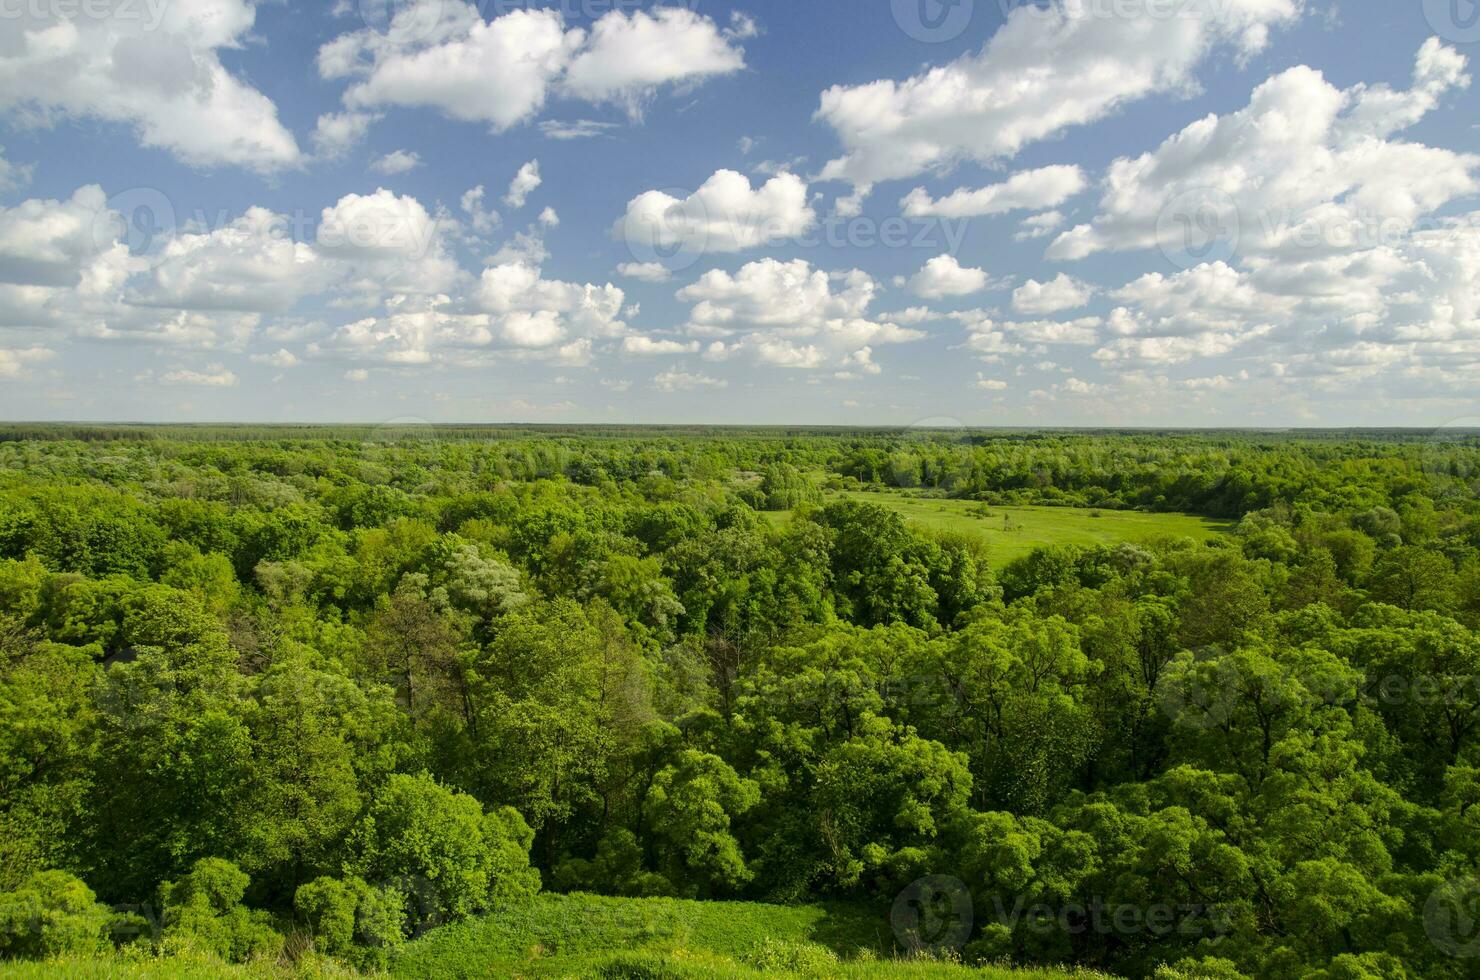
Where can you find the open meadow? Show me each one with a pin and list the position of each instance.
(1012, 531)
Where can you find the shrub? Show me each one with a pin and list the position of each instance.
(52, 913)
(203, 911)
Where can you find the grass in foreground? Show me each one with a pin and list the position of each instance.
(1011, 532)
(592, 936)
(588, 936)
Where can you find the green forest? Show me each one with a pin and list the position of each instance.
(673, 702)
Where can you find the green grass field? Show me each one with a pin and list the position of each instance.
(636, 939)
(1011, 532)
(588, 936)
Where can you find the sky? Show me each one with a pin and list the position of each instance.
(904, 212)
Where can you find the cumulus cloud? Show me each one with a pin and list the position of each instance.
(483, 220)
(280, 358)
(396, 162)
(643, 346)
(336, 133)
(1044, 71)
(1304, 168)
(645, 271)
(943, 277)
(1063, 292)
(788, 314)
(153, 67)
(1030, 190)
(628, 57)
(390, 242)
(15, 362)
(212, 376)
(251, 264)
(525, 182)
(724, 215)
(675, 380)
(442, 54)
(1038, 225)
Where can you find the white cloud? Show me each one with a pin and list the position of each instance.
(1038, 226)
(531, 311)
(549, 218)
(630, 56)
(860, 361)
(391, 243)
(15, 362)
(212, 376)
(675, 380)
(641, 346)
(396, 162)
(249, 265)
(281, 358)
(496, 72)
(50, 242)
(1061, 293)
(1165, 350)
(1045, 70)
(483, 220)
(724, 215)
(574, 129)
(442, 54)
(989, 384)
(1085, 330)
(788, 314)
(524, 184)
(1030, 190)
(154, 67)
(770, 293)
(1306, 168)
(336, 133)
(645, 271)
(943, 276)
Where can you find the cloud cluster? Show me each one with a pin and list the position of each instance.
(442, 55)
(155, 67)
(725, 214)
(1045, 70)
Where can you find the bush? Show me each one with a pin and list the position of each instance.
(351, 920)
(203, 911)
(52, 913)
(437, 847)
(786, 956)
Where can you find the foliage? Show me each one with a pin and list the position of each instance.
(290, 698)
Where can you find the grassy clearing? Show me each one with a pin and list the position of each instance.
(1011, 532)
(588, 936)
(591, 936)
(185, 967)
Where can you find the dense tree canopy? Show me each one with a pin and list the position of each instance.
(260, 683)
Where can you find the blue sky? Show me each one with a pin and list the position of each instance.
(1133, 212)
